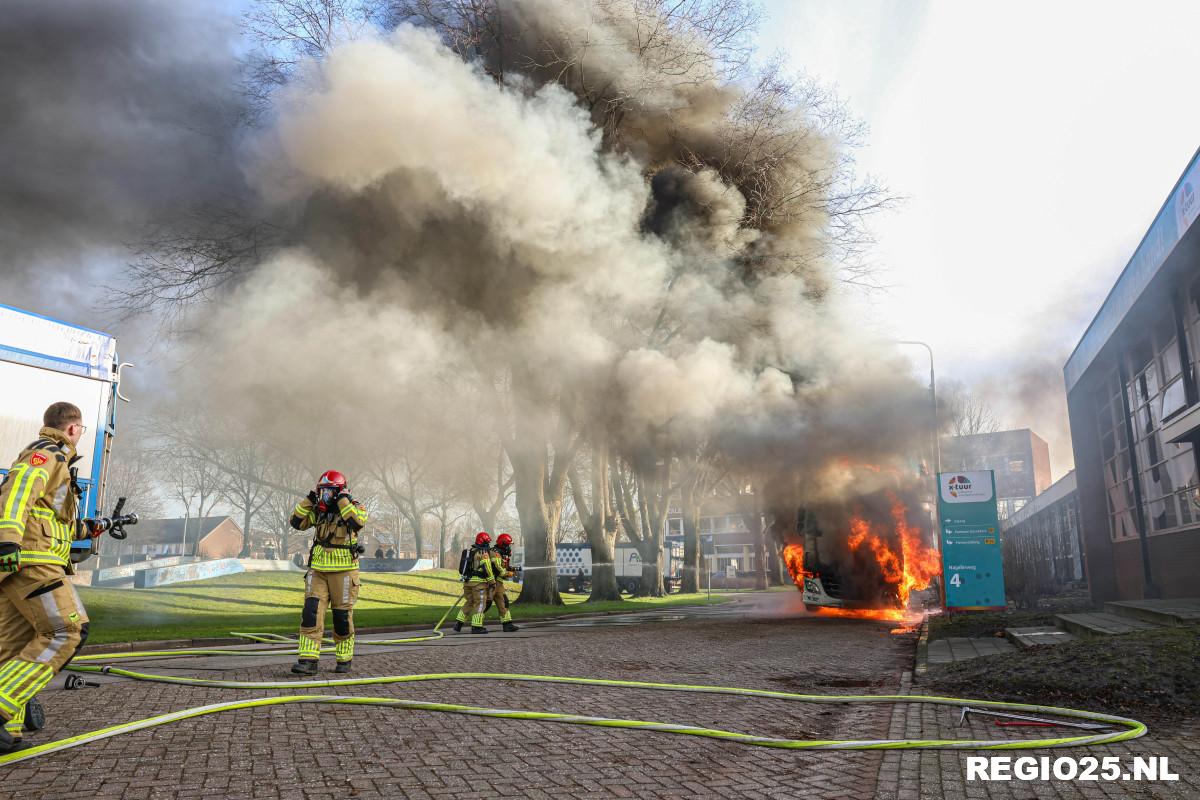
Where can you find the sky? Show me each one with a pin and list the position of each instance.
(1032, 144)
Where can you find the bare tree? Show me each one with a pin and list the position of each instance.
(964, 413)
(483, 468)
(448, 512)
(410, 482)
(698, 475)
(593, 500)
(642, 494)
(286, 32)
(541, 455)
(246, 486)
(132, 475)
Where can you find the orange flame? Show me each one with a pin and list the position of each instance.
(793, 556)
(890, 614)
(912, 568)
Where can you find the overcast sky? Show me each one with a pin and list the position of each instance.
(1034, 142)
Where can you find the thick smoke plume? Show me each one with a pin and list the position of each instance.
(465, 238)
(450, 221)
(116, 116)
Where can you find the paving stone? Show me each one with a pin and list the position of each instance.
(319, 753)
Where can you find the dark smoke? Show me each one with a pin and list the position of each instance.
(115, 115)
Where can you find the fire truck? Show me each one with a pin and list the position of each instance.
(43, 361)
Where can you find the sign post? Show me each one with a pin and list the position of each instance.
(972, 572)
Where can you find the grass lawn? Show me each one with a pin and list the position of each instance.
(271, 601)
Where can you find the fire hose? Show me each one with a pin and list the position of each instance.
(1127, 728)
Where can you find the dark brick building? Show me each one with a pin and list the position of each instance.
(1020, 459)
(1135, 414)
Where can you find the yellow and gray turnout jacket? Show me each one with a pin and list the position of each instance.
(39, 501)
(335, 536)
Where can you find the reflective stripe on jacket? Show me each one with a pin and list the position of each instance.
(336, 533)
(39, 502)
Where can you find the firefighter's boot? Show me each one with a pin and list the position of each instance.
(458, 626)
(305, 666)
(35, 715)
(510, 628)
(8, 742)
(478, 629)
(343, 666)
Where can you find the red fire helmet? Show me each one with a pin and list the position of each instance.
(503, 539)
(333, 479)
(482, 538)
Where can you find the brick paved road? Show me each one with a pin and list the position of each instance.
(337, 752)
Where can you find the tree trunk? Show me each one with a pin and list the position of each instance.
(651, 546)
(600, 525)
(418, 526)
(754, 523)
(652, 573)
(774, 577)
(690, 580)
(247, 516)
(604, 568)
(540, 581)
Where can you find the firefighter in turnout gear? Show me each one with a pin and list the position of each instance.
(501, 556)
(42, 622)
(332, 578)
(478, 578)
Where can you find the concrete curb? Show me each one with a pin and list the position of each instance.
(185, 644)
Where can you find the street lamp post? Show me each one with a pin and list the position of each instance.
(937, 454)
(937, 444)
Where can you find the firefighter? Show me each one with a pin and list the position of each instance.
(478, 577)
(42, 622)
(332, 577)
(501, 556)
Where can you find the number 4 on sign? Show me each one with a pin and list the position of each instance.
(956, 580)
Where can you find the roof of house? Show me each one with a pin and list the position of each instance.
(171, 531)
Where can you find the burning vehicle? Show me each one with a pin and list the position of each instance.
(867, 562)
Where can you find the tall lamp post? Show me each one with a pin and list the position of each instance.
(937, 454)
(937, 444)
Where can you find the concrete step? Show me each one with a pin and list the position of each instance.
(1184, 611)
(1094, 624)
(944, 651)
(1038, 635)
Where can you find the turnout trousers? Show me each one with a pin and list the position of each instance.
(475, 599)
(337, 591)
(42, 625)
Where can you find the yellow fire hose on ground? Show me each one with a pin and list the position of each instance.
(1127, 728)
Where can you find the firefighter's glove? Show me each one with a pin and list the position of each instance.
(10, 556)
(312, 497)
(341, 495)
(91, 528)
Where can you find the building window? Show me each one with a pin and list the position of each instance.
(1174, 399)
(1155, 392)
(1118, 476)
(675, 526)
